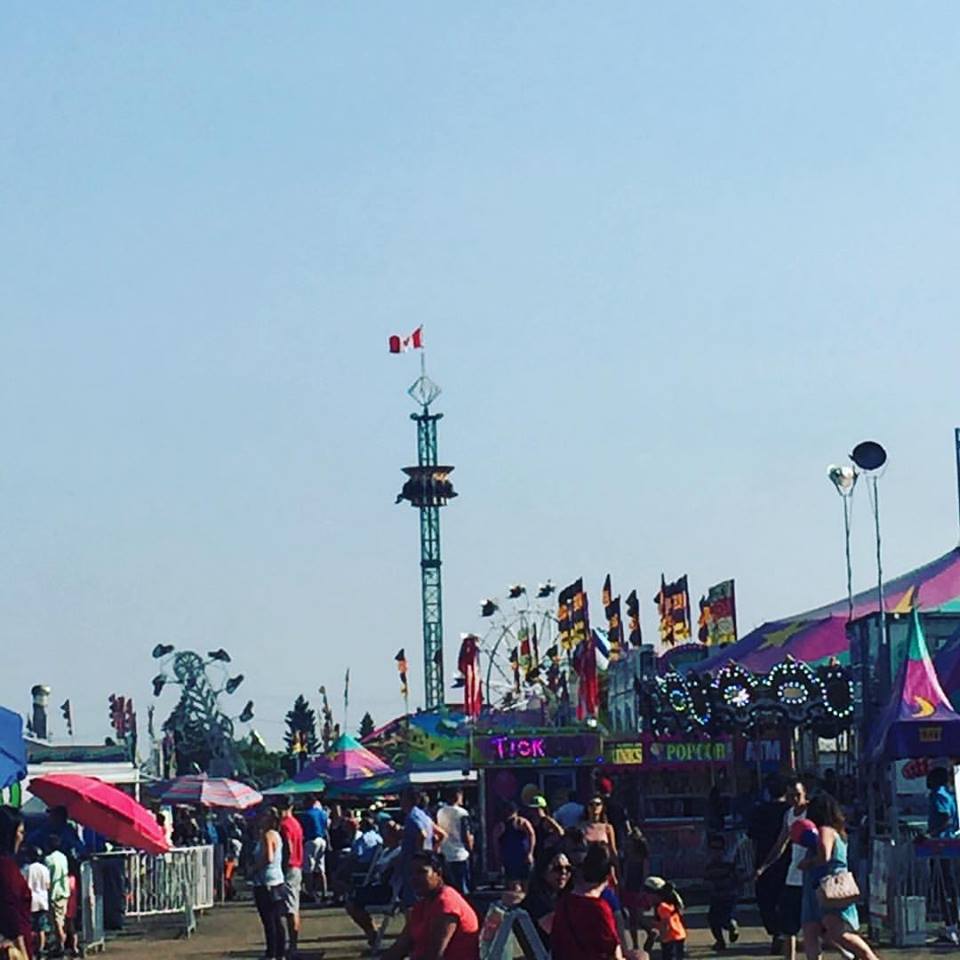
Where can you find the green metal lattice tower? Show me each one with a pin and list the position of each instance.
(428, 488)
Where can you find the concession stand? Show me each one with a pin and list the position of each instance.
(513, 763)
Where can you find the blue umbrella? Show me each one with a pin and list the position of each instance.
(13, 750)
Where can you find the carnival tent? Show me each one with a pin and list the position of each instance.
(347, 760)
(819, 634)
(920, 720)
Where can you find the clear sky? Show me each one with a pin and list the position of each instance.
(671, 261)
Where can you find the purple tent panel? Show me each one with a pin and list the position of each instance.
(817, 635)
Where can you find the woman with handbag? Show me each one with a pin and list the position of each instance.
(830, 891)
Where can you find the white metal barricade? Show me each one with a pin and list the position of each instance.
(181, 881)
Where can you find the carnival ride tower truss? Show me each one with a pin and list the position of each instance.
(428, 488)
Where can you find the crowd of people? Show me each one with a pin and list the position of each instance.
(581, 872)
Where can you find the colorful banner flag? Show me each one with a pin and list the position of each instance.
(401, 659)
(468, 662)
(611, 610)
(614, 628)
(515, 667)
(633, 619)
(346, 690)
(673, 605)
(718, 615)
(580, 617)
(565, 613)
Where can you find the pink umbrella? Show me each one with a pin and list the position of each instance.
(103, 808)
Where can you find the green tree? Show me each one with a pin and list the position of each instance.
(366, 725)
(265, 766)
(301, 724)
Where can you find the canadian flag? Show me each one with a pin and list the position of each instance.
(403, 344)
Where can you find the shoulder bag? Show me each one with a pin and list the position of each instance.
(838, 890)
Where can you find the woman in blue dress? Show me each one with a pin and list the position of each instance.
(835, 926)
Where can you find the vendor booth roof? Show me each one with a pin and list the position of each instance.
(919, 722)
(819, 634)
(348, 759)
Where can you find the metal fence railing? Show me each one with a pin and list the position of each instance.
(175, 882)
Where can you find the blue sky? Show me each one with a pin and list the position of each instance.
(671, 260)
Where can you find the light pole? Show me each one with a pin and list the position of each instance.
(844, 479)
(870, 458)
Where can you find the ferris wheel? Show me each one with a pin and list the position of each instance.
(514, 659)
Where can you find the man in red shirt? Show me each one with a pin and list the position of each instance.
(441, 925)
(292, 834)
(584, 927)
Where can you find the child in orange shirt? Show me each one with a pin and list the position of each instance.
(668, 910)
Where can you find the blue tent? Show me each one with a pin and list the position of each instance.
(13, 750)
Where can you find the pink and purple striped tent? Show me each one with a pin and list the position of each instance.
(818, 635)
(347, 760)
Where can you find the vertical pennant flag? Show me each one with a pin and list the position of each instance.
(346, 689)
(633, 619)
(534, 672)
(611, 610)
(580, 616)
(588, 686)
(468, 662)
(401, 659)
(614, 628)
(515, 667)
(523, 636)
(565, 614)
(718, 615)
(673, 605)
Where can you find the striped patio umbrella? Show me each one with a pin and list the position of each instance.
(205, 791)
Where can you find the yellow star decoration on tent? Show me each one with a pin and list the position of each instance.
(777, 638)
(905, 603)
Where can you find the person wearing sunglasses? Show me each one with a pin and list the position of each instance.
(552, 877)
(596, 828)
(584, 927)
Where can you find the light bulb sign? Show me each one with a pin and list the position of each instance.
(530, 748)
